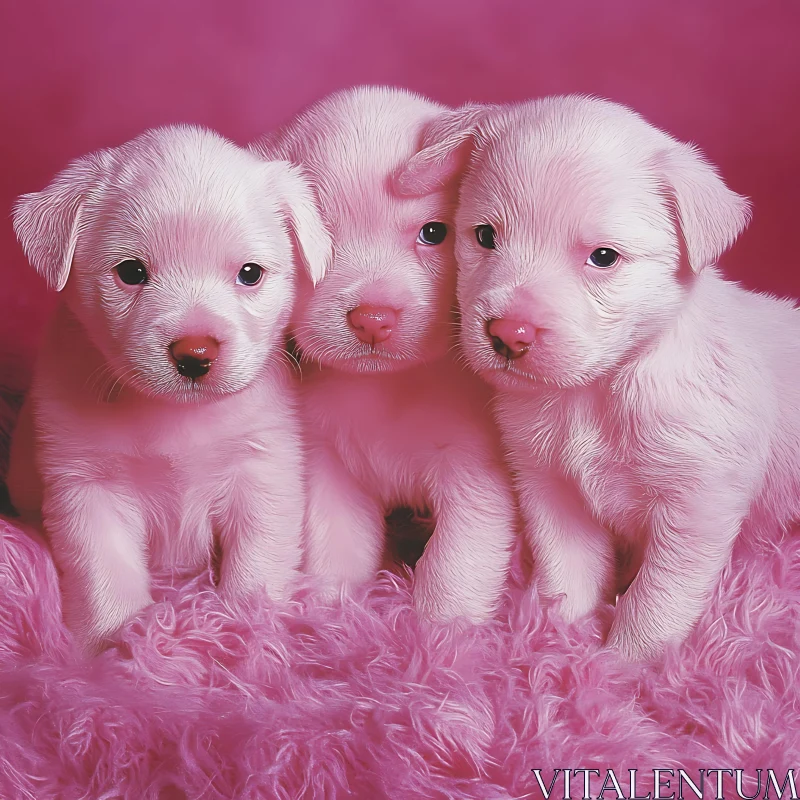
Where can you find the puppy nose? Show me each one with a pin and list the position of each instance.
(511, 337)
(372, 324)
(193, 355)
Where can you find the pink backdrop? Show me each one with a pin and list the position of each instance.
(92, 73)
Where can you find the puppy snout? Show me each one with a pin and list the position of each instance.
(511, 338)
(194, 355)
(373, 324)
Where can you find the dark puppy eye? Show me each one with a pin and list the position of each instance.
(603, 257)
(249, 275)
(485, 236)
(131, 272)
(432, 233)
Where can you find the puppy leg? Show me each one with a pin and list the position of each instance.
(345, 525)
(463, 569)
(683, 561)
(260, 527)
(98, 538)
(573, 555)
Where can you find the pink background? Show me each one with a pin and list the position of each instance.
(75, 76)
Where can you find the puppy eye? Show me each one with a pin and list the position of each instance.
(432, 233)
(131, 272)
(249, 275)
(485, 236)
(603, 257)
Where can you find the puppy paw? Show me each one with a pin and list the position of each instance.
(92, 633)
(576, 605)
(278, 586)
(435, 603)
(631, 646)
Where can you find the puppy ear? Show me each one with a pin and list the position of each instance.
(711, 216)
(47, 223)
(447, 144)
(299, 204)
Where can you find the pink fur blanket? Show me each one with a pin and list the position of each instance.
(361, 700)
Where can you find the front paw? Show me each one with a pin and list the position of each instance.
(444, 609)
(631, 645)
(280, 588)
(94, 632)
(239, 585)
(329, 589)
(576, 604)
(444, 598)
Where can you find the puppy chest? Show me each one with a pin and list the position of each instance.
(612, 491)
(374, 422)
(167, 486)
(395, 435)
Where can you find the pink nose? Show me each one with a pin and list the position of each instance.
(372, 324)
(194, 355)
(510, 337)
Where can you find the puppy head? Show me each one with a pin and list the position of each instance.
(176, 256)
(574, 221)
(386, 301)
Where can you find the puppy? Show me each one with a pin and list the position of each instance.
(392, 418)
(161, 414)
(640, 394)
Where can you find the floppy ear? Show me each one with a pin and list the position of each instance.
(47, 222)
(447, 145)
(299, 205)
(711, 216)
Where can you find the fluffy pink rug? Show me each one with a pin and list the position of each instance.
(363, 701)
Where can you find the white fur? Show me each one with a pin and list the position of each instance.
(404, 424)
(132, 465)
(659, 402)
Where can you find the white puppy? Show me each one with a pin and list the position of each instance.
(161, 412)
(640, 394)
(392, 418)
